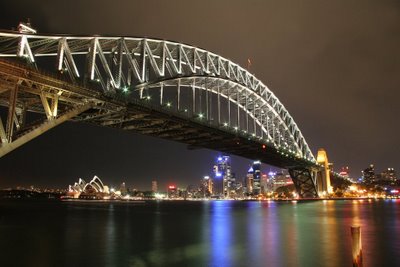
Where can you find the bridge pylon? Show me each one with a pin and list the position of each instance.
(323, 175)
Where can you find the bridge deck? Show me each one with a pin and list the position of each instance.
(135, 115)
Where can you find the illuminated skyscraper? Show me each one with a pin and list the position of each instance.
(207, 186)
(249, 181)
(369, 174)
(389, 175)
(256, 177)
(222, 176)
(264, 183)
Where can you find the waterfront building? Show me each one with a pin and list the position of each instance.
(264, 183)
(271, 181)
(193, 191)
(237, 190)
(253, 179)
(94, 187)
(282, 178)
(256, 178)
(249, 181)
(154, 186)
(172, 192)
(389, 175)
(222, 177)
(123, 189)
(206, 186)
(368, 174)
(345, 172)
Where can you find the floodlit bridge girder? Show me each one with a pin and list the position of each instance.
(125, 63)
(150, 86)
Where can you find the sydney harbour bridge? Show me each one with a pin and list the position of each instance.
(153, 87)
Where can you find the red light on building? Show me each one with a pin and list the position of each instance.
(171, 187)
(264, 146)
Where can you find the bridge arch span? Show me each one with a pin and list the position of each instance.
(129, 64)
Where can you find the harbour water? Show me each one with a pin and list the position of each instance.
(195, 233)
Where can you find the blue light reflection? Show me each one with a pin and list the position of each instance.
(221, 232)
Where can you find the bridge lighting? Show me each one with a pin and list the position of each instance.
(168, 104)
(236, 128)
(201, 115)
(225, 124)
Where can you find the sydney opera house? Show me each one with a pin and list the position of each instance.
(95, 189)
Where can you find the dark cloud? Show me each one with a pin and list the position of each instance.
(334, 64)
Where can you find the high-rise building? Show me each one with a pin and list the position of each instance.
(207, 186)
(369, 174)
(264, 183)
(256, 177)
(249, 181)
(271, 181)
(389, 175)
(222, 176)
(253, 179)
(154, 186)
(123, 189)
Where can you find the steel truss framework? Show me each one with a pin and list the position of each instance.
(126, 83)
(125, 63)
(304, 180)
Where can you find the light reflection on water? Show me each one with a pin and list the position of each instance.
(221, 244)
(211, 233)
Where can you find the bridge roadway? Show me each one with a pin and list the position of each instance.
(138, 116)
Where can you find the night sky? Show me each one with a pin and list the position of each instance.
(335, 65)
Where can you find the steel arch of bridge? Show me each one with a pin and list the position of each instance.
(126, 63)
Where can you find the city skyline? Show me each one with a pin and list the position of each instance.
(328, 74)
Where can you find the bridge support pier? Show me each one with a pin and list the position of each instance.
(323, 176)
(305, 182)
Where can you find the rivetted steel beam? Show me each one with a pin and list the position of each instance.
(47, 125)
(304, 181)
(146, 56)
(143, 125)
(3, 136)
(3, 89)
(124, 120)
(11, 113)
